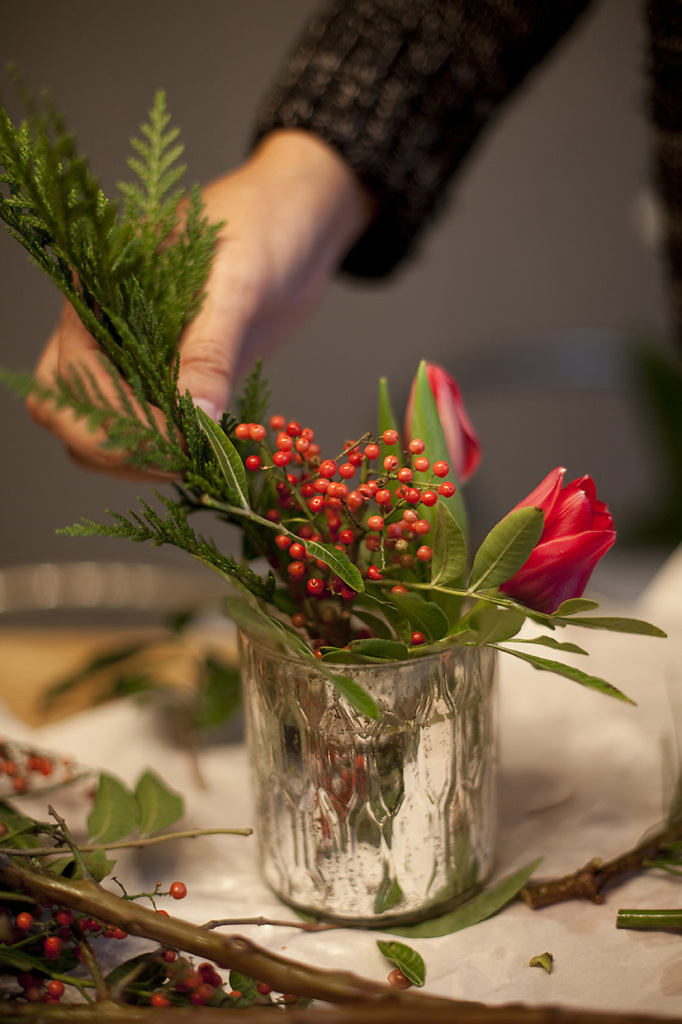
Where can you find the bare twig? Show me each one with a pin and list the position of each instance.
(590, 881)
(358, 1000)
(395, 1008)
(124, 844)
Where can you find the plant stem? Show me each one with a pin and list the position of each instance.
(590, 881)
(644, 919)
(124, 844)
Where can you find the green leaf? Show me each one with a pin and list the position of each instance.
(243, 983)
(477, 909)
(491, 624)
(148, 967)
(97, 864)
(398, 623)
(449, 550)
(159, 805)
(578, 676)
(115, 814)
(506, 548)
(253, 621)
(549, 641)
(408, 960)
(387, 420)
(220, 696)
(574, 605)
(542, 960)
(423, 615)
(426, 425)
(380, 628)
(389, 893)
(354, 694)
(228, 459)
(380, 650)
(19, 829)
(336, 560)
(617, 624)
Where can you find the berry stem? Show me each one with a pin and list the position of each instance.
(123, 844)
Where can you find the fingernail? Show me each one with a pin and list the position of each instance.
(211, 409)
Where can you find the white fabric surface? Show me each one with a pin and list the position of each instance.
(581, 776)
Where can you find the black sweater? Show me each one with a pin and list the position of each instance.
(402, 89)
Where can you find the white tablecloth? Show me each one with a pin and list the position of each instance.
(581, 776)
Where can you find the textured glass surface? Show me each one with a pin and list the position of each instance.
(368, 821)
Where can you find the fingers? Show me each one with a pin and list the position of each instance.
(210, 345)
(71, 348)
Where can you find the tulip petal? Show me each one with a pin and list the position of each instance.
(546, 493)
(460, 437)
(558, 570)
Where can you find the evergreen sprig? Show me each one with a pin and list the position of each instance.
(135, 276)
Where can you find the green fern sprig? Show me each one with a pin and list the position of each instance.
(174, 529)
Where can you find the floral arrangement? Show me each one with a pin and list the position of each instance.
(365, 553)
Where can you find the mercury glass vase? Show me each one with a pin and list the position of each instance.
(369, 822)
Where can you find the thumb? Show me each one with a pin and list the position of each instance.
(208, 351)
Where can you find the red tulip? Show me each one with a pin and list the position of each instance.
(578, 530)
(460, 439)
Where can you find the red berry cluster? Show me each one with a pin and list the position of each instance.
(22, 766)
(370, 503)
(55, 937)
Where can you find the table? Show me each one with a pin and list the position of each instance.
(581, 776)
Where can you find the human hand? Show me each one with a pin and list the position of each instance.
(290, 213)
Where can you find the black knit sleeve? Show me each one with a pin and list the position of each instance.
(665, 71)
(402, 88)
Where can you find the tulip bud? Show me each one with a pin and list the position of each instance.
(578, 531)
(460, 438)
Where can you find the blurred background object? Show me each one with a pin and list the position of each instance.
(532, 290)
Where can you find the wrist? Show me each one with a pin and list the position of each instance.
(319, 184)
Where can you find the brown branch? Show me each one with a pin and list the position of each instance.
(395, 1008)
(363, 1001)
(590, 881)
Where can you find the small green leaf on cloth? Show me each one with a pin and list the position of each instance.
(543, 960)
(478, 908)
(115, 814)
(406, 959)
(159, 806)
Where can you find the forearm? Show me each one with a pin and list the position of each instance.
(322, 193)
(402, 89)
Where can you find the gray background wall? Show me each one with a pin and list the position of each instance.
(538, 256)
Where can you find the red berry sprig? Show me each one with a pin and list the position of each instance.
(373, 507)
